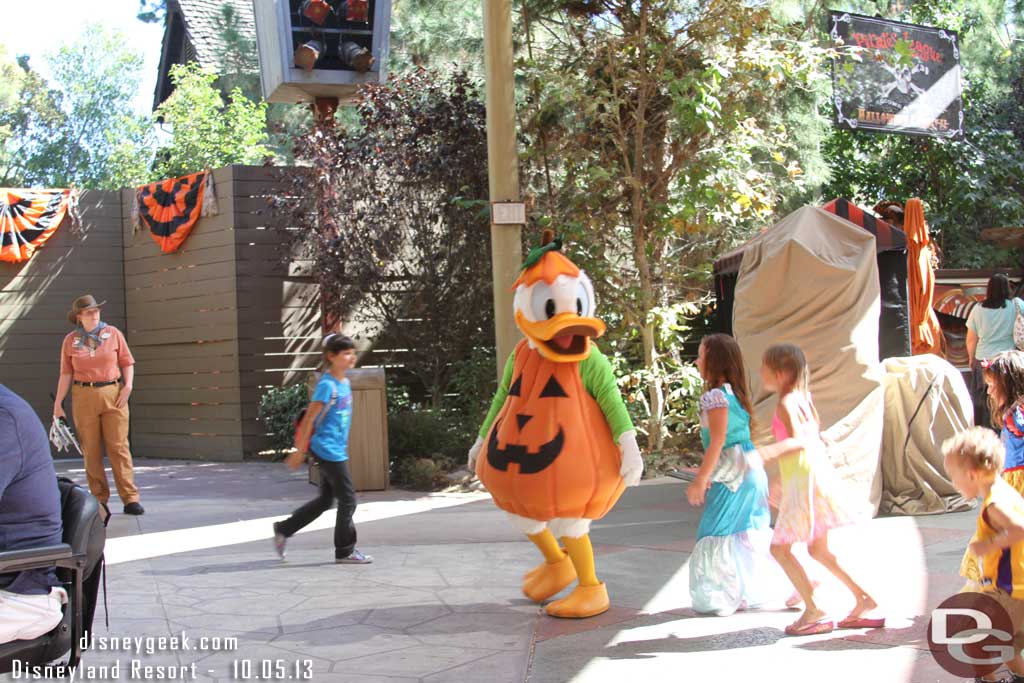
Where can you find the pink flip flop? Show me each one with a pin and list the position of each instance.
(812, 629)
(861, 622)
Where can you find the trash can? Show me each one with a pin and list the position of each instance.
(368, 459)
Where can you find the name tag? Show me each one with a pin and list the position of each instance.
(105, 335)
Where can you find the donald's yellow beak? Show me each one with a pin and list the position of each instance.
(564, 338)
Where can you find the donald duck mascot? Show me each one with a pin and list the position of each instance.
(558, 447)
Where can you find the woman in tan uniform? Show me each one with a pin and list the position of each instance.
(94, 361)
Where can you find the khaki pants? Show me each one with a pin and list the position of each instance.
(101, 423)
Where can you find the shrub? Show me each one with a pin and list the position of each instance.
(679, 327)
(424, 435)
(472, 388)
(279, 408)
(423, 474)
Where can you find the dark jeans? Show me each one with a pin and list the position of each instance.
(335, 483)
(979, 393)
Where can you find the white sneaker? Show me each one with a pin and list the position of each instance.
(355, 558)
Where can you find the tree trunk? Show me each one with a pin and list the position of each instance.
(655, 388)
(437, 387)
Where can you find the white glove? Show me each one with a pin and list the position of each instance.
(632, 462)
(473, 453)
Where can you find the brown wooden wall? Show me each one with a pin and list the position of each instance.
(215, 324)
(211, 326)
(35, 298)
(279, 330)
(182, 330)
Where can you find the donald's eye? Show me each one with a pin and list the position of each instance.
(542, 302)
(584, 305)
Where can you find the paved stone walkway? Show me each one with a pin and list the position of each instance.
(442, 603)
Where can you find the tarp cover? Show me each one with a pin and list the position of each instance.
(926, 402)
(812, 280)
(891, 246)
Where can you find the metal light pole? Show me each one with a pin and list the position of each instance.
(502, 168)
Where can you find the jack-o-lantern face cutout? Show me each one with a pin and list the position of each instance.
(550, 452)
(529, 463)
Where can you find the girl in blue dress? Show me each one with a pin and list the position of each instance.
(731, 567)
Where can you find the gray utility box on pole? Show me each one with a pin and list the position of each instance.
(312, 49)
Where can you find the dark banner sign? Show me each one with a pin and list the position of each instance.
(894, 77)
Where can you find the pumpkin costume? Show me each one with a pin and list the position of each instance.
(558, 448)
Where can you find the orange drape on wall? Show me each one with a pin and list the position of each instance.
(28, 218)
(925, 333)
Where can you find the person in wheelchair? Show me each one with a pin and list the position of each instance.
(30, 517)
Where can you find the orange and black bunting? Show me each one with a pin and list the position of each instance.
(27, 219)
(170, 208)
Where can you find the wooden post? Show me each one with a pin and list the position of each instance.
(324, 109)
(502, 169)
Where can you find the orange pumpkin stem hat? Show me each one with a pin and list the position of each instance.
(546, 262)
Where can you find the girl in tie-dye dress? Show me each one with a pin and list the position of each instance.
(812, 502)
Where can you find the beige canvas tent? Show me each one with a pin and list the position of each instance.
(812, 280)
(926, 402)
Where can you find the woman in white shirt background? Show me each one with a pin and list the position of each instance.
(990, 331)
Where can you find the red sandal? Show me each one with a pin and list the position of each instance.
(862, 622)
(812, 629)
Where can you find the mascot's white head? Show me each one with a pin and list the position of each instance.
(554, 304)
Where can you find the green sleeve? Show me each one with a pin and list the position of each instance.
(599, 381)
(500, 396)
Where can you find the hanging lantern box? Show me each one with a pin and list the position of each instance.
(302, 59)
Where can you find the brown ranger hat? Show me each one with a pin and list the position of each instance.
(80, 304)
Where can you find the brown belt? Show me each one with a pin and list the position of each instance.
(94, 384)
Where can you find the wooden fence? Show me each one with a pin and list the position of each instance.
(279, 329)
(211, 326)
(35, 297)
(214, 324)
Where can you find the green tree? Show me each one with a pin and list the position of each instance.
(152, 11)
(207, 131)
(967, 185)
(393, 214)
(239, 68)
(99, 142)
(27, 106)
(424, 33)
(239, 60)
(653, 145)
(438, 35)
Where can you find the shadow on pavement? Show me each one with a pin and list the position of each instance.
(251, 566)
(874, 638)
(735, 640)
